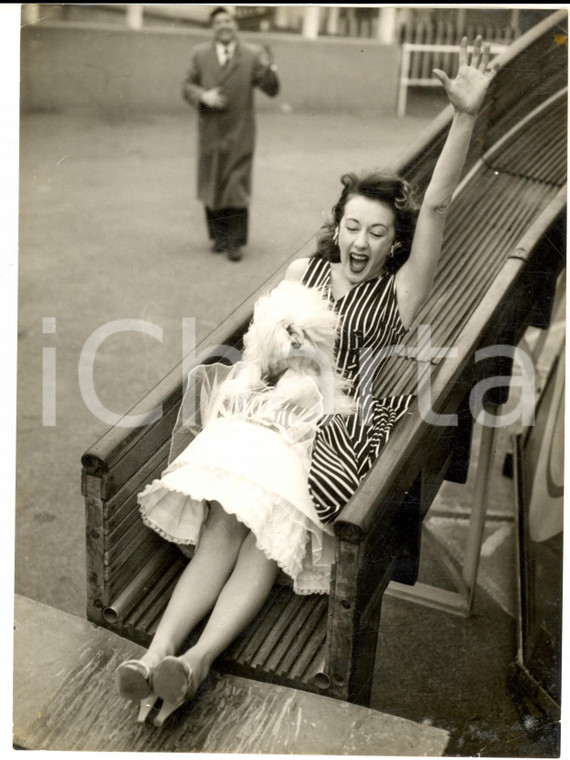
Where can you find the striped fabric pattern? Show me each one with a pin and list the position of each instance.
(346, 446)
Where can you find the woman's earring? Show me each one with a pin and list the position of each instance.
(335, 236)
(394, 248)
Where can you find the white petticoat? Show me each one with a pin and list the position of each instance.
(261, 479)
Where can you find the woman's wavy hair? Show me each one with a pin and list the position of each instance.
(390, 189)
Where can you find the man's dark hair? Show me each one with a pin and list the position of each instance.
(216, 11)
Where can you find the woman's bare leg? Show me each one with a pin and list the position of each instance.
(239, 601)
(200, 584)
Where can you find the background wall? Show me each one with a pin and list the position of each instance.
(108, 69)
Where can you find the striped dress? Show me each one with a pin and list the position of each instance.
(346, 446)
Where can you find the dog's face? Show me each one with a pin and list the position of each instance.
(285, 347)
(292, 329)
(294, 349)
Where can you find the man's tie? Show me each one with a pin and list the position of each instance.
(226, 56)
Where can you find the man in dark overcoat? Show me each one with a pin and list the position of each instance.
(221, 82)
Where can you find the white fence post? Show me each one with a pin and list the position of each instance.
(333, 15)
(386, 31)
(404, 78)
(135, 16)
(282, 17)
(311, 22)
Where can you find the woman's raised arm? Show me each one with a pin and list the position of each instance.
(466, 93)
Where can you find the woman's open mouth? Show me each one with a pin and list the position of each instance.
(358, 262)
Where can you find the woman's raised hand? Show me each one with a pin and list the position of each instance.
(467, 91)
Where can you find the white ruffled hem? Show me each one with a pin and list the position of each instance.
(177, 511)
(150, 523)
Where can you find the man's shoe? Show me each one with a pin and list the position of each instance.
(219, 247)
(234, 254)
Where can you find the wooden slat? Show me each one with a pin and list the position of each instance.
(269, 624)
(309, 638)
(134, 485)
(278, 630)
(249, 642)
(156, 565)
(535, 140)
(119, 574)
(315, 667)
(147, 609)
(530, 74)
(151, 620)
(152, 439)
(121, 522)
(289, 632)
(485, 262)
(303, 667)
(117, 441)
(463, 283)
(483, 269)
(292, 640)
(127, 543)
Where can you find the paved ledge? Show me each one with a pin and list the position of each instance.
(64, 699)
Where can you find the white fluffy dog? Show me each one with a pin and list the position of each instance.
(291, 339)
